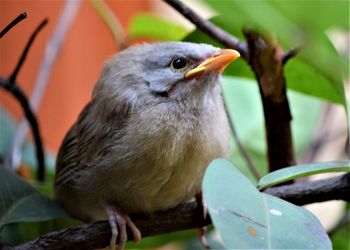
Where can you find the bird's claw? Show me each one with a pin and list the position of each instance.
(118, 222)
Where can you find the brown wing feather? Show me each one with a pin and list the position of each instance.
(87, 141)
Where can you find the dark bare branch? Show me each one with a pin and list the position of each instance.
(19, 95)
(19, 18)
(335, 188)
(25, 52)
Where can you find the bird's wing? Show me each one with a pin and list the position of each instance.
(87, 142)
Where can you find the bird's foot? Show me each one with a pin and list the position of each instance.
(118, 222)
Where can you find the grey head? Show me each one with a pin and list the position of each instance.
(156, 73)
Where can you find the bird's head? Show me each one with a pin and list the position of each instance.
(163, 72)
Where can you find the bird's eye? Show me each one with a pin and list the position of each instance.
(179, 64)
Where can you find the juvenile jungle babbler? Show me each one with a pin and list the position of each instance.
(155, 121)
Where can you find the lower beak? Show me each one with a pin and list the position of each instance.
(217, 62)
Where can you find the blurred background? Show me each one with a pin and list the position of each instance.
(320, 123)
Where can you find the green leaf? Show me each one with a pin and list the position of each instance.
(248, 219)
(244, 106)
(305, 78)
(328, 13)
(21, 202)
(151, 26)
(293, 172)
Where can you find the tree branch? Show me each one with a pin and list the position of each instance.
(186, 216)
(266, 60)
(19, 95)
(335, 188)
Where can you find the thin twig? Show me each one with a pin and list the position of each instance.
(13, 76)
(19, 18)
(97, 234)
(206, 26)
(112, 22)
(253, 169)
(290, 54)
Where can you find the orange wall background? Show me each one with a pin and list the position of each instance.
(87, 45)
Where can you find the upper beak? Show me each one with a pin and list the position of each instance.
(217, 62)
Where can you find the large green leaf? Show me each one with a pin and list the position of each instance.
(19, 201)
(293, 172)
(327, 13)
(151, 26)
(248, 219)
(244, 106)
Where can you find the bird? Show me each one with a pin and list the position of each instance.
(155, 121)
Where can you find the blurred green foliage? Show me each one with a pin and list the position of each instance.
(151, 26)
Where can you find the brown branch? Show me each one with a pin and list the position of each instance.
(97, 234)
(266, 59)
(212, 30)
(335, 188)
(186, 216)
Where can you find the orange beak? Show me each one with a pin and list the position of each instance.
(218, 62)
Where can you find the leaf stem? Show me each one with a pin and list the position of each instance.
(111, 21)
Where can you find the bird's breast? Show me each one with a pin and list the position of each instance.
(173, 150)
